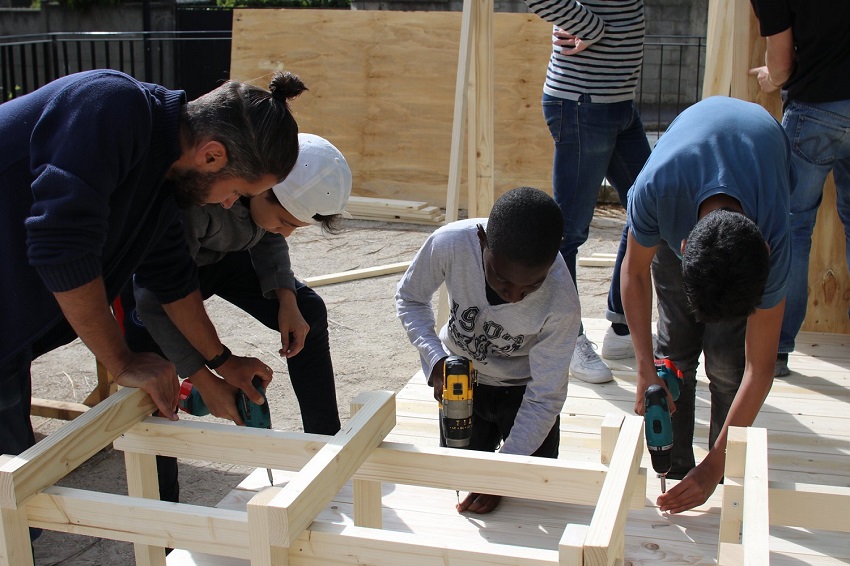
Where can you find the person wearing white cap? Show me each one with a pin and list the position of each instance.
(243, 257)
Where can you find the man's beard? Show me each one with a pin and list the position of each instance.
(192, 187)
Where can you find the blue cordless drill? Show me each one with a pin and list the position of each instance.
(254, 416)
(658, 425)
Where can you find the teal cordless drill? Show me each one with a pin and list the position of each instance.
(254, 416)
(658, 425)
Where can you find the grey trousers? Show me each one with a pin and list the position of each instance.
(681, 338)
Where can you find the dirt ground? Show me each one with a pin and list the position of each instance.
(369, 348)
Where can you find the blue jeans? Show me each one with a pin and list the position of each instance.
(681, 338)
(592, 141)
(820, 143)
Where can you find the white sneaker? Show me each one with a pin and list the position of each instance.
(616, 347)
(586, 365)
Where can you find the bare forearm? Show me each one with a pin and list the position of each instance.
(87, 310)
(190, 317)
(779, 57)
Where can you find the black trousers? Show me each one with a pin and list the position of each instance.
(494, 411)
(310, 372)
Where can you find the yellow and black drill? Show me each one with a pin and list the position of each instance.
(456, 408)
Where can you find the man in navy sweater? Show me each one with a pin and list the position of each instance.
(93, 170)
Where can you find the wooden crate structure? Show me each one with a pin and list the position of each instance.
(279, 526)
(751, 503)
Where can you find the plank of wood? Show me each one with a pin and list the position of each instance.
(606, 535)
(52, 458)
(143, 521)
(755, 528)
(63, 410)
(354, 274)
(294, 508)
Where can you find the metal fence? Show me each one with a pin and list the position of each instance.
(196, 61)
(171, 59)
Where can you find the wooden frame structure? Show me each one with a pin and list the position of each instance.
(279, 527)
(751, 503)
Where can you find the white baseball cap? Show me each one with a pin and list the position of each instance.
(320, 182)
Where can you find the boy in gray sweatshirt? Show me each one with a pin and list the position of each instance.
(514, 313)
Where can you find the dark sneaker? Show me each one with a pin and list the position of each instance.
(781, 369)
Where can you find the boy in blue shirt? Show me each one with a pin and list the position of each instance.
(708, 217)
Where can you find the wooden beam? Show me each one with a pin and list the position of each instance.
(606, 536)
(142, 481)
(805, 505)
(295, 507)
(330, 543)
(571, 545)
(367, 493)
(718, 50)
(62, 410)
(15, 546)
(353, 274)
(755, 535)
(481, 114)
(561, 481)
(61, 452)
(142, 521)
(732, 507)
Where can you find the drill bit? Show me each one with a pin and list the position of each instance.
(271, 478)
(663, 482)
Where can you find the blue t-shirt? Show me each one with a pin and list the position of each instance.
(726, 146)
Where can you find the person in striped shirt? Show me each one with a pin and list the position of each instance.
(588, 104)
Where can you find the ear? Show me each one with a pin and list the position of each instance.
(210, 156)
(682, 248)
(482, 237)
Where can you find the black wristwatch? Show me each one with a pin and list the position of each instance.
(219, 360)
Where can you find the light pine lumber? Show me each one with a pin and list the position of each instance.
(292, 510)
(810, 506)
(718, 59)
(354, 274)
(142, 482)
(139, 520)
(330, 544)
(509, 475)
(52, 458)
(62, 410)
(606, 535)
(15, 546)
(262, 522)
(595, 262)
(829, 282)
(481, 113)
(732, 509)
(367, 493)
(571, 545)
(755, 528)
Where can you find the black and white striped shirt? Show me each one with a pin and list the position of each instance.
(609, 68)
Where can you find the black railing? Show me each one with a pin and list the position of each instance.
(671, 79)
(28, 62)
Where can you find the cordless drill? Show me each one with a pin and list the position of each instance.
(253, 415)
(658, 425)
(456, 408)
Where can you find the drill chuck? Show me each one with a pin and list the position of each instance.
(658, 429)
(456, 407)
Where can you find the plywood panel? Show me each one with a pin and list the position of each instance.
(382, 88)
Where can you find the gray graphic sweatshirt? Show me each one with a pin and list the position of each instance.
(526, 343)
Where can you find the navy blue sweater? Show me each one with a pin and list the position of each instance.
(82, 177)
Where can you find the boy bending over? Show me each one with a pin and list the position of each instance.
(514, 313)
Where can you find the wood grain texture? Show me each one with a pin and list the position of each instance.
(382, 89)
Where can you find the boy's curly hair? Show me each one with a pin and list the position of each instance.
(526, 227)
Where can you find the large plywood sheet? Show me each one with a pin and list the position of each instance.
(382, 88)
